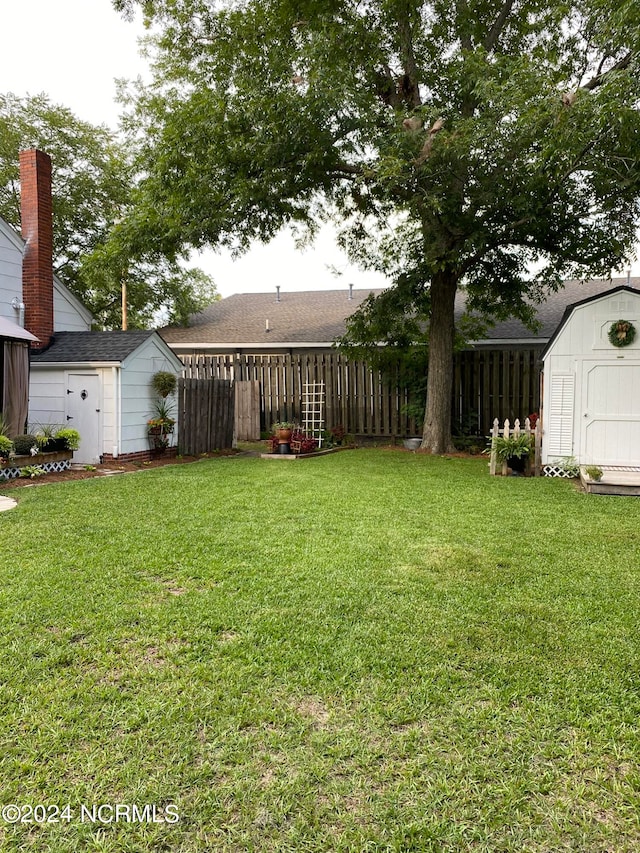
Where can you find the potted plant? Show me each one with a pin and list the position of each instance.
(283, 430)
(161, 426)
(514, 451)
(69, 436)
(164, 383)
(594, 472)
(6, 447)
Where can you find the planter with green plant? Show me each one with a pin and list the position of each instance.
(282, 431)
(161, 426)
(37, 453)
(594, 472)
(513, 452)
(6, 447)
(46, 436)
(70, 437)
(164, 383)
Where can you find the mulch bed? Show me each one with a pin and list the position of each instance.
(110, 468)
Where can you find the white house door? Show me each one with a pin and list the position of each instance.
(83, 412)
(610, 432)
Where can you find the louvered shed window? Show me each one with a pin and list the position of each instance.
(559, 434)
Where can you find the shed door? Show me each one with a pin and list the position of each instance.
(610, 413)
(83, 412)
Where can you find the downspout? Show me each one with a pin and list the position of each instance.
(117, 411)
(18, 306)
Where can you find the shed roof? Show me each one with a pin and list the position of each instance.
(311, 317)
(85, 347)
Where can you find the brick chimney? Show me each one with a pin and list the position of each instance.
(37, 231)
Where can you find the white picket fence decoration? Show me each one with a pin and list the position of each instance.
(507, 431)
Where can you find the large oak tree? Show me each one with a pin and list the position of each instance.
(455, 142)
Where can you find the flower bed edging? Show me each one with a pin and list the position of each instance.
(50, 463)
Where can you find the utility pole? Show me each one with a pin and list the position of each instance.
(124, 304)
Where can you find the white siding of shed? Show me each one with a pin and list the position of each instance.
(137, 397)
(48, 398)
(47, 392)
(567, 412)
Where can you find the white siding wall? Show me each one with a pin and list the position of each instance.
(68, 314)
(137, 397)
(47, 393)
(10, 276)
(582, 343)
(48, 401)
(126, 395)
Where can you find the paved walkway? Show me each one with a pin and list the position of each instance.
(6, 503)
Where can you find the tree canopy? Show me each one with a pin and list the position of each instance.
(92, 185)
(490, 146)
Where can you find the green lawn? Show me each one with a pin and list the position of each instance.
(369, 651)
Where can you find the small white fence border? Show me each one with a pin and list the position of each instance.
(507, 431)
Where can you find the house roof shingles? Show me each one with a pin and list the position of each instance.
(299, 317)
(312, 317)
(85, 347)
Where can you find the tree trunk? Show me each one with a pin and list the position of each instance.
(436, 433)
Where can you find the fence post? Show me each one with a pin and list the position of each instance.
(495, 431)
(505, 433)
(537, 471)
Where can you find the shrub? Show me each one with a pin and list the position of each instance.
(568, 465)
(307, 443)
(32, 471)
(24, 444)
(70, 436)
(6, 446)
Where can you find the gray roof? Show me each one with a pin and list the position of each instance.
(551, 312)
(318, 316)
(299, 317)
(85, 347)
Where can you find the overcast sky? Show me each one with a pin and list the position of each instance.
(73, 50)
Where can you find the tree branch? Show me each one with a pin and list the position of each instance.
(601, 76)
(409, 88)
(498, 26)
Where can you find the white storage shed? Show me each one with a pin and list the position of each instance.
(100, 384)
(591, 382)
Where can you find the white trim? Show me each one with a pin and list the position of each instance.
(489, 342)
(74, 365)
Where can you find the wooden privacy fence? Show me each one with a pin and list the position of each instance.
(356, 396)
(205, 415)
(492, 384)
(487, 383)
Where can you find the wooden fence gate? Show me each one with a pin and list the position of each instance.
(247, 410)
(205, 415)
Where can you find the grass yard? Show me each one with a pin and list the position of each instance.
(370, 651)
